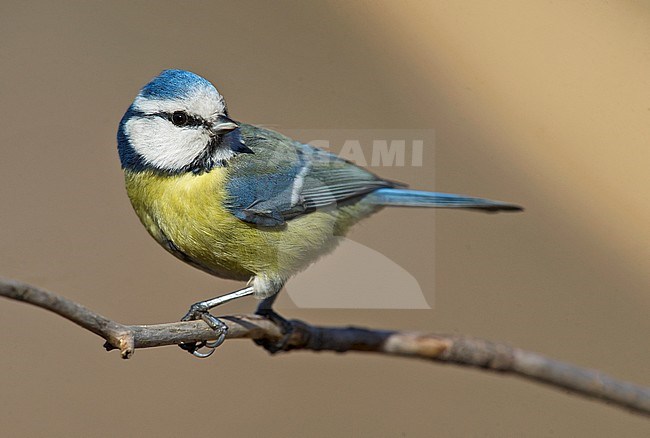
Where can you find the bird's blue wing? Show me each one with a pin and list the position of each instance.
(284, 179)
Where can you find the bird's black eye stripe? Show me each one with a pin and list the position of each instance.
(182, 119)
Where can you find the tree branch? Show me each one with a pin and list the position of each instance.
(459, 350)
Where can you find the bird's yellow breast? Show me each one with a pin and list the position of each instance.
(186, 214)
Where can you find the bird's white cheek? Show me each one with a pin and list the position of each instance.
(164, 145)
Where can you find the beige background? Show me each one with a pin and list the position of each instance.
(540, 102)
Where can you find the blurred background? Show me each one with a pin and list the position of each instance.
(542, 103)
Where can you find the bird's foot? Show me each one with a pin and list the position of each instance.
(287, 330)
(203, 349)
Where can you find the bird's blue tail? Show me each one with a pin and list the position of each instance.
(416, 198)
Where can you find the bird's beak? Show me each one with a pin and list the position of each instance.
(223, 125)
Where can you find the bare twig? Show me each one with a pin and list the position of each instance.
(458, 350)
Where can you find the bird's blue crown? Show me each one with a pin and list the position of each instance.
(172, 84)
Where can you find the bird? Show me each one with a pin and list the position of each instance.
(240, 201)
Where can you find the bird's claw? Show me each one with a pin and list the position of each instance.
(287, 330)
(203, 349)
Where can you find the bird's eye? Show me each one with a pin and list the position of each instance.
(180, 118)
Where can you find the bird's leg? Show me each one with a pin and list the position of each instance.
(201, 310)
(265, 309)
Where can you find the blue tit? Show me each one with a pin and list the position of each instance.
(240, 201)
